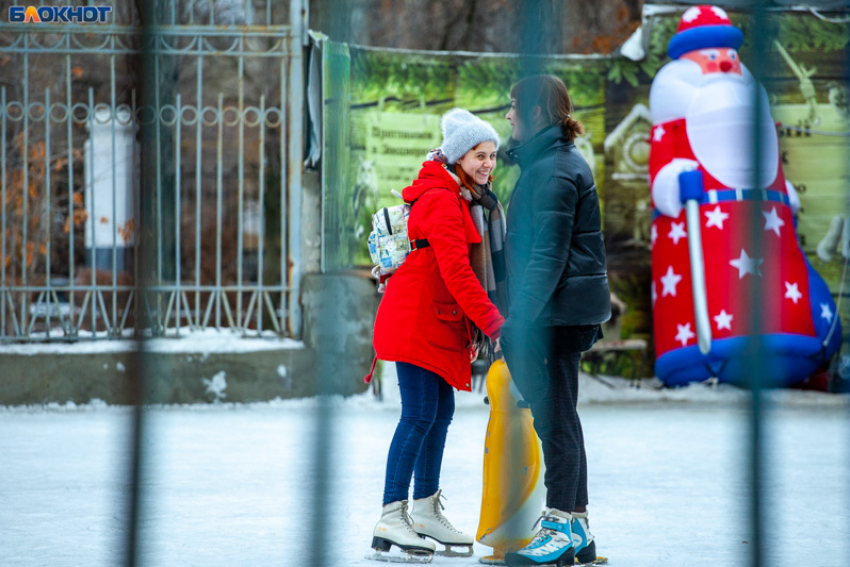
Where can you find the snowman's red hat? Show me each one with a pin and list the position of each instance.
(702, 27)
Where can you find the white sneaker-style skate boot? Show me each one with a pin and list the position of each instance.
(428, 521)
(394, 529)
(553, 544)
(583, 540)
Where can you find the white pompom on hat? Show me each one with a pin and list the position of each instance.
(462, 131)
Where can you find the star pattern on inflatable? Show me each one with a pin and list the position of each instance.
(792, 292)
(716, 218)
(684, 333)
(772, 221)
(670, 280)
(826, 312)
(677, 232)
(723, 320)
(746, 265)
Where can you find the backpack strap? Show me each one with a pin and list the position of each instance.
(418, 244)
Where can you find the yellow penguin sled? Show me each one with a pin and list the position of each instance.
(514, 492)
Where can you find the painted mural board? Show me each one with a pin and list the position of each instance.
(394, 91)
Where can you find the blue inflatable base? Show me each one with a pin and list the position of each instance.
(786, 359)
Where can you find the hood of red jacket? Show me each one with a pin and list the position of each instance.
(431, 175)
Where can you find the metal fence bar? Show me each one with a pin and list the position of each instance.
(47, 217)
(90, 183)
(114, 317)
(218, 203)
(284, 240)
(178, 120)
(3, 256)
(71, 204)
(137, 378)
(261, 229)
(137, 227)
(198, 159)
(756, 350)
(158, 199)
(137, 427)
(241, 189)
(323, 419)
(25, 190)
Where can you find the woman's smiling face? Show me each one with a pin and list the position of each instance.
(479, 162)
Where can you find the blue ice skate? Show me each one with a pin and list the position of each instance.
(553, 544)
(585, 545)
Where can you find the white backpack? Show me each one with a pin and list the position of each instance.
(389, 244)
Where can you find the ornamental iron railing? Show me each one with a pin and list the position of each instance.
(226, 117)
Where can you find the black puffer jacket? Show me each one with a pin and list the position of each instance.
(554, 251)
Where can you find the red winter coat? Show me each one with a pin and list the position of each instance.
(422, 318)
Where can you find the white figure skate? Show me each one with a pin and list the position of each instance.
(428, 521)
(394, 529)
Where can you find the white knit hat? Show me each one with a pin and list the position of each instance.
(462, 131)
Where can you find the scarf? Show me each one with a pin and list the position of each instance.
(487, 258)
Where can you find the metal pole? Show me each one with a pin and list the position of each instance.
(25, 188)
(157, 108)
(295, 156)
(177, 211)
(755, 348)
(71, 224)
(198, 143)
(697, 262)
(114, 118)
(137, 369)
(47, 217)
(92, 294)
(241, 187)
(261, 229)
(3, 291)
(218, 213)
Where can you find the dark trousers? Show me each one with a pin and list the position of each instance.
(546, 375)
(427, 408)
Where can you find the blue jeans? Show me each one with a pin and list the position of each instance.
(427, 407)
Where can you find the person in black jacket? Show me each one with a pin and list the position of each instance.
(558, 298)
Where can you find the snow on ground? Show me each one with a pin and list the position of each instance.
(231, 485)
(205, 341)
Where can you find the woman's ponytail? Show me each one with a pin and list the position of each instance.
(572, 128)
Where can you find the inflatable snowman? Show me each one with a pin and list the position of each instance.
(723, 227)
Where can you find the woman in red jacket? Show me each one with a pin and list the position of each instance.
(433, 314)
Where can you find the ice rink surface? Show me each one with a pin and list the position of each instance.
(231, 485)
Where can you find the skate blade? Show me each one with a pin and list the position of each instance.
(408, 557)
(449, 551)
(492, 560)
(598, 561)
